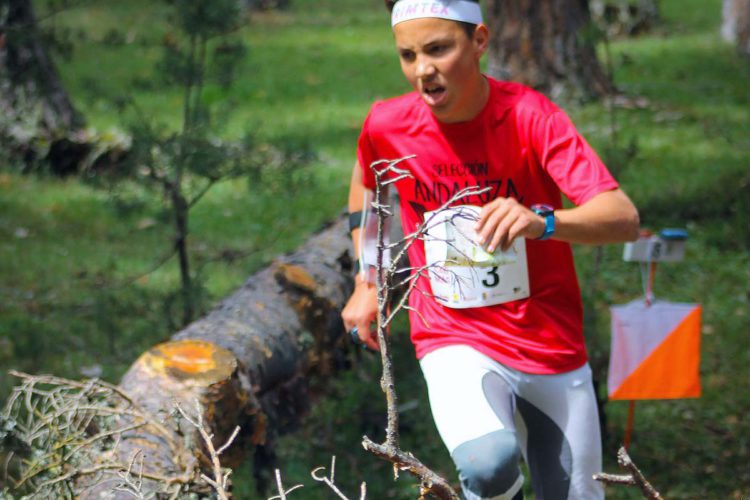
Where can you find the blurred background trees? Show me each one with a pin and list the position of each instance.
(37, 117)
(735, 26)
(548, 45)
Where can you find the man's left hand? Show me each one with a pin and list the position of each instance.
(503, 220)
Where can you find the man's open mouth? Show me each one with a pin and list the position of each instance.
(433, 94)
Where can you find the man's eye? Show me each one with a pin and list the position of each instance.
(407, 56)
(438, 49)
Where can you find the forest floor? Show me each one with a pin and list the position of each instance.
(79, 296)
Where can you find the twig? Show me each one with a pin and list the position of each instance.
(635, 478)
(220, 477)
(168, 480)
(102, 435)
(70, 425)
(430, 481)
(390, 449)
(626, 462)
(428, 224)
(280, 488)
(52, 380)
(130, 486)
(331, 481)
(615, 478)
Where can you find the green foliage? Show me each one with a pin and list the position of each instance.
(203, 19)
(20, 128)
(184, 165)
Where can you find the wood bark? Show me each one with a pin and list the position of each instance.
(548, 45)
(28, 66)
(199, 378)
(735, 27)
(250, 361)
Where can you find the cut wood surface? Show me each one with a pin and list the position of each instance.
(248, 362)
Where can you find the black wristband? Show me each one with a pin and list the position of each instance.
(357, 267)
(355, 219)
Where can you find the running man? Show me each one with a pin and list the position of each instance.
(507, 373)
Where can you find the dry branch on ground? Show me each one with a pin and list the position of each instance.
(635, 478)
(249, 362)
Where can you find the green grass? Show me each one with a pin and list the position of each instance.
(75, 289)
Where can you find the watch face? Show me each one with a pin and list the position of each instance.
(542, 209)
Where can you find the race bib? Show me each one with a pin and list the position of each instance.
(462, 273)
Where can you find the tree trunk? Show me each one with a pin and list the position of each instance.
(735, 26)
(249, 362)
(181, 215)
(33, 102)
(548, 45)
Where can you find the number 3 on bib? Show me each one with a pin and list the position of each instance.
(463, 274)
(493, 278)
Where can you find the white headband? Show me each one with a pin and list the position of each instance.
(455, 10)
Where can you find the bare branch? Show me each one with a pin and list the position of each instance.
(220, 477)
(396, 179)
(201, 193)
(390, 165)
(430, 481)
(52, 380)
(280, 488)
(114, 432)
(75, 428)
(627, 463)
(229, 441)
(390, 449)
(429, 223)
(330, 481)
(615, 479)
(635, 478)
(129, 485)
(412, 281)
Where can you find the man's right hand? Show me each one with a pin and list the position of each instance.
(361, 311)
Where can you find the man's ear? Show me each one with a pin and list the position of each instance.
(481, 39)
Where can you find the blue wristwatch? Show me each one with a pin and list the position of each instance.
(548, 212)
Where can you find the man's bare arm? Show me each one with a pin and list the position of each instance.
(361, 309)
(609, 217)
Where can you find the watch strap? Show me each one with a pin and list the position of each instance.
(548, 212)
(549, 227)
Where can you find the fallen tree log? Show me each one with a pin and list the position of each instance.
(249, 362)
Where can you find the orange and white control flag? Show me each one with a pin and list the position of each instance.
(655, 351)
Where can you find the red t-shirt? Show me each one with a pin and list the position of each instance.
(520, 145)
